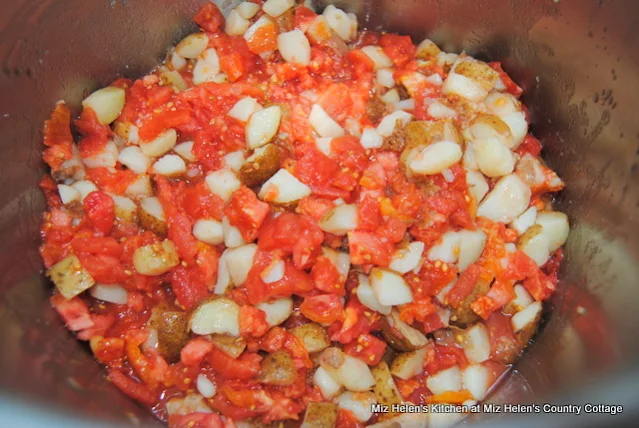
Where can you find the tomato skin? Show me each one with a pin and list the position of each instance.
(400, 49)
(137, 391)
(511, 86)
(464, 285)
(209, 17)
(245, 366)
(367, 348)
(247, 213)
(57, 137)
(111, 180)
(504, 345)
(109, 349)
(162, 121)
(100, 210)
(356, 322)
(195, 351)
(224, 406)
(196, 420)
(324, 309)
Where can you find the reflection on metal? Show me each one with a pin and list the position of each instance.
(577, 60)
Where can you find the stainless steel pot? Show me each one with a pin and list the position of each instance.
(578, 61)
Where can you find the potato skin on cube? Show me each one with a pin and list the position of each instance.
(70, 277)
(320, 415)
(261, 166)
(173, 333)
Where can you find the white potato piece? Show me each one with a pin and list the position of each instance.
(389, 122)
(323, 124)
(477, 344)
(358, 403)
(283, 188)
(223, 183)
(177, 62)
(204, 386)
(493, 157)
(525, 221)
(508, 199)
(160, 145)
(469, 160)
(156, 259)
(69, 277)
(427, 49)
(367, 297)
(105, 159)
(185, 151)
(133, 158)
(522, 297)
(440, 111)
(107, 103)
(447, 249)
(244, 108)
(112, 293)
(153, 207)
(207, 67)
(324, 145)
(384, 77)
(435, 158)
(273, 272)
(502, 103)
(140, 188)
(390, 97)
(325, 383)
(340, 220)
(234, 160)
(217, 315)
(275, 8)
(84, 187)
(477, 185)
(240, 262)
(407, 259)
(340, 22)
(456, 84)
(68, 194)
(370, 139)
(526, 316)
(377, 55)
(294, 47)
(488, 126)
(247, 10)
(471, 245)
(236, 25)
(170, 166)
(209, 231)
(192, 45)
(192, 403)
(353, 373)
(125, 208)
(518, 127)
(406, 105)
(223, 282)
(535, 244)
(277, 311)
(555, 228)
(389, 287)
(449, 379)
(477, 380)
(408, 364)
(262, 126)
(232, 236)
(444, 419)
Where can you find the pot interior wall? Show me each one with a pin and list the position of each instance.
(578, 62)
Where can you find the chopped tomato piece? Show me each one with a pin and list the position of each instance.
(209, 17)
(133, 389)
(400, 49)
(100, 210)
(511, 86)
(326, 276)
(245, 366)
(324, 309)
(74, 312)
(368, 248)
(252, 321)
(195, 350)
(247, 213)
(367, 348)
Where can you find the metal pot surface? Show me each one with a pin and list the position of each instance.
(578, 61)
